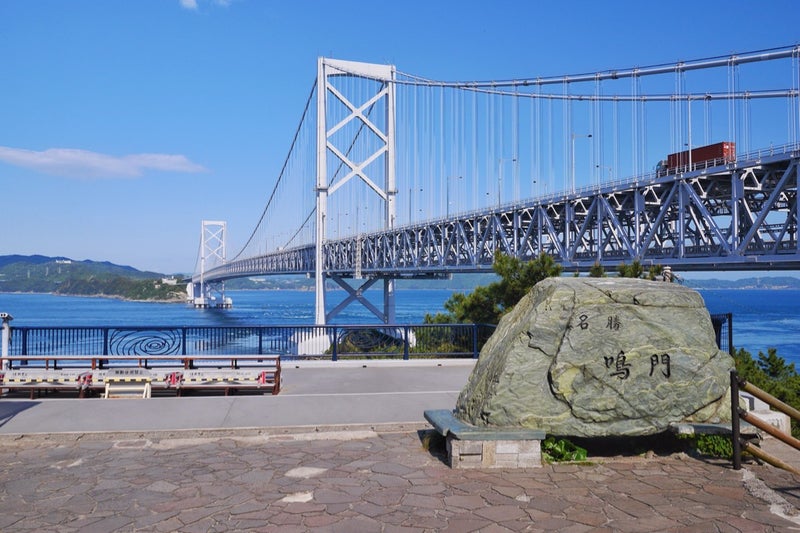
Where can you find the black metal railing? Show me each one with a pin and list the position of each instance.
(290, 342)
(405, 341)
(723, 330)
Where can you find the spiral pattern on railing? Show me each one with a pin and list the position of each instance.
(367, 339)
(145, 342)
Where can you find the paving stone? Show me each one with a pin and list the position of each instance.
(286, 519)
(426, 523)
(340, 509)
(391, 468)
(436, 488)
(464, 501)
(361, 524)
(386, 481)
(385, 497)
(401, 529)
(466, 524)
(498, 513)
(370, 509)
(321, 520)
(172, 524)
(422, 501)
(325, 496)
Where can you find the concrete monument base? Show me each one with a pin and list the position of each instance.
(469, 446)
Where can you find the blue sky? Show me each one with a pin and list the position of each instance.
(124, 124)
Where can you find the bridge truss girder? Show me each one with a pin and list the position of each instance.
(733, 217)
(729, 217)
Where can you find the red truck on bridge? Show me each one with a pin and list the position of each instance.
(700, 157)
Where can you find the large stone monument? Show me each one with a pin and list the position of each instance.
(592, 357)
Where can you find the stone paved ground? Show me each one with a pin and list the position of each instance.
(363, 481)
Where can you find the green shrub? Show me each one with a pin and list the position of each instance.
(711, 445)
(772, 374)
(560, 450)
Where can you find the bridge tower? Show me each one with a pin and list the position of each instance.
(380, 181)
(212, 253)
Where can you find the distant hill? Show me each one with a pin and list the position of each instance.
(31, 259)
(62, 275)
(761, 282)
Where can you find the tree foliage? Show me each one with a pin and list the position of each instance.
(634, 270)
(655, 272)
(597, 270)
(488, 303)
(772, 374)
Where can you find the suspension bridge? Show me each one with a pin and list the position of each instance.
(390, 175)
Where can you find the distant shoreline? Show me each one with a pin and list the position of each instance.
(178, 300)
(105, 296)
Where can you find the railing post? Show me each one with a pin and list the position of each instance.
(183, 341)
(405, 343)
(735, 427)
(260, 341)
(474, 341)
(6, 339)
(730, 334)
(335, 352)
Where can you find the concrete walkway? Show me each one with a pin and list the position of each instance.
(312, 394)
(340, 449)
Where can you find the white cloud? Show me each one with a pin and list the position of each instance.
(192, 4)
(85, 164)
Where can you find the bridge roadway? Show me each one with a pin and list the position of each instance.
(714, 215)
(339, 450)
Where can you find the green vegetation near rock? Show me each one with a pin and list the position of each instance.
(772, 374)
(488, 303)
(711, 445)
(560, 450)
(597, 271)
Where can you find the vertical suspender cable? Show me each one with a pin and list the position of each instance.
(442, 178)
(791, 101)
(643, 158)
(415, 177)
(566, 121)
(515, 140)
(731, 100)
(550, 174)
(534, 156)
(475, 198)
(747, 125)
(597, 138)
(615, 125)
(634, 126)
(487, 143)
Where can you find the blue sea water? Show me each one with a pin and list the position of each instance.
(762, 319)
(285, 307)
